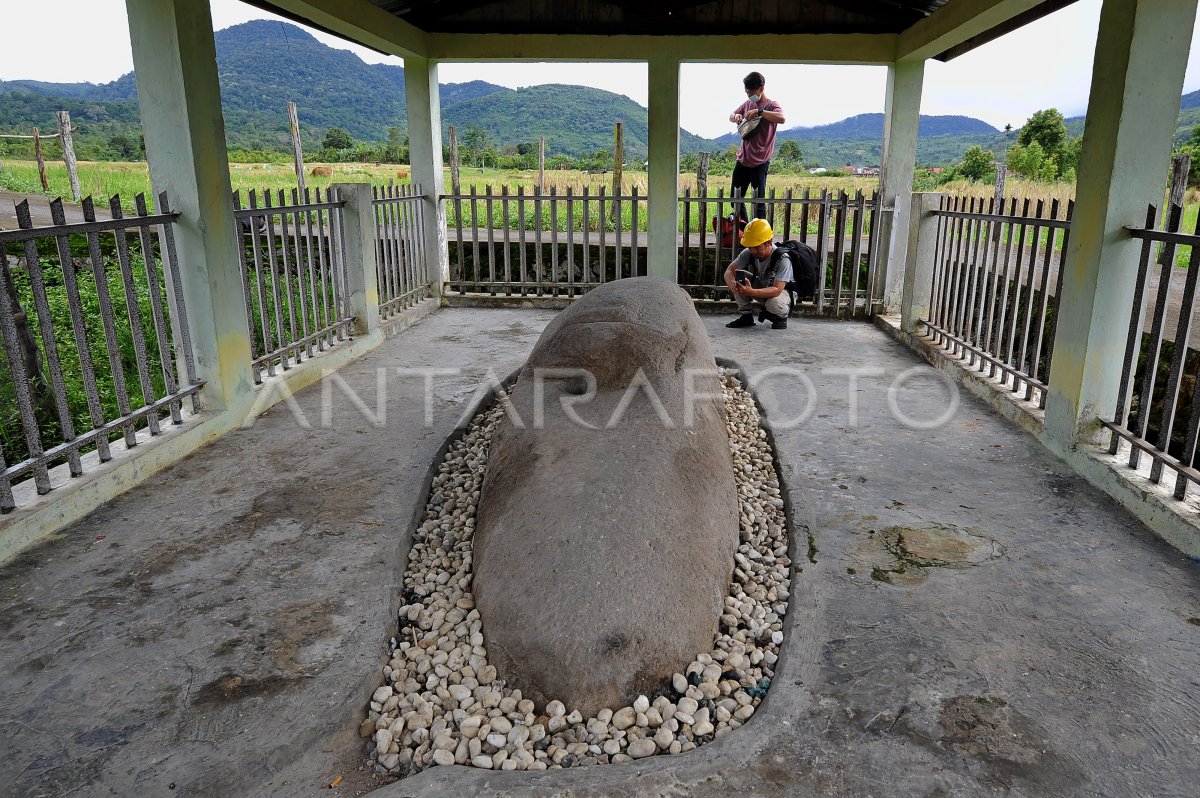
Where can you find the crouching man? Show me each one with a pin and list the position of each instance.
(755, 275)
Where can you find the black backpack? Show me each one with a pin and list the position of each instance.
(805, 268)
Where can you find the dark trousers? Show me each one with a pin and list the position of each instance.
(752, 177)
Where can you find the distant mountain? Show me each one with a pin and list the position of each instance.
(870, 127)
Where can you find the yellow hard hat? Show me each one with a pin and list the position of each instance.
(757, 232)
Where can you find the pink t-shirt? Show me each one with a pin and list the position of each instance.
(758, 148)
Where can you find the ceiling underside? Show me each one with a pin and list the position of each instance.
(669, 18)
(675, 17)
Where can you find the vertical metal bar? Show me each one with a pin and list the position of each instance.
(241, 239)
(379, 195)
(869, 290)
(554, 239)
(1134, 339)
(133, 310)
(570, 242)
(787, 215)
(264, 315)
(618, 224)
(285, 342)
(603, 227)
(110, 330)
(79, 328)
(1058, 286)
(154, 288)
(993, 291)
(458, 228)
(508, 287)
(300, 267)
(475, 267)
(956, 285)
(970, 269)
(634, 233)
(939, 270)
(1154, 343)
(491, 240)
(1036, 240)
(702, 224)
(337, 263)
(21, 379)
(822, 248)
(804, 215)
(586, 271)
(326, 317)
(418, 269)
(855, 252)
(310, 265)
(1020, 282)
(537, 236)
(33, 267)
(681, 270)
(175, 298)
(839, 251)
(979, 297)
(1047, 257)
(404, 266)
(1183, 334)
(521, 237)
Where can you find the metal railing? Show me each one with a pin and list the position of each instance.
(996, 281)
(96, 342)
(400, 256)
(1158, 401)
(843, 230)
(546, 244)
(295, 277)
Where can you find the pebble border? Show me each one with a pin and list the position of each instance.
(441, 702)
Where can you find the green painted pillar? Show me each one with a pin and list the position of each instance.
(663, 172)
(425, 158)
(1141, 55)
(901, 115)
(175, 65)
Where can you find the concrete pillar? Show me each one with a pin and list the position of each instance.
(1141, 54)
(663, 171)
(919, 261)
(901, 115)
(362, 275)
(425, 158)
(176, 70)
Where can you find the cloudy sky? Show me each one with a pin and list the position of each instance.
(1046, 64)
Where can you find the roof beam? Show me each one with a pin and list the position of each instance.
(829, 48)
(955, 23)
(357, 21)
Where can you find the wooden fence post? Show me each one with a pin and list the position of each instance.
(68, 145)
(297, 149)
(618, 163)
(1180, 166)
(541, 186)
(1001, 176)
(41, 162)
(702, 174)
(455, 185)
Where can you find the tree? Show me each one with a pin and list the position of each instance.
(395, 149)
(474, 143)
(789, 153)
(1029, 161)
(976, 163)
(1047, 128)
(337, 139)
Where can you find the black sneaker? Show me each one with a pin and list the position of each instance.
(777, 322)
(745, 320)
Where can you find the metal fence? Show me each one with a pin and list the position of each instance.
(843, 230)
(996, 280)
(1157, 416)
(295, 277)
(400, 255)
(543, 244)
(96, 344)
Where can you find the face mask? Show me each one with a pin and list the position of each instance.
(754, 98)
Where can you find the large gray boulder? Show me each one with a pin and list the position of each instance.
(602, 556)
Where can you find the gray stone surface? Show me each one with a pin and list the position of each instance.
(1066, 666)
(603, 552)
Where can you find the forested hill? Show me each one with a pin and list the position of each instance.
(264, 64)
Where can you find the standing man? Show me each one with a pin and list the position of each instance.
(756, 118)
(764, 275)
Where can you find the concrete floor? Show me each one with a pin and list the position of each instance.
(218, 630)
